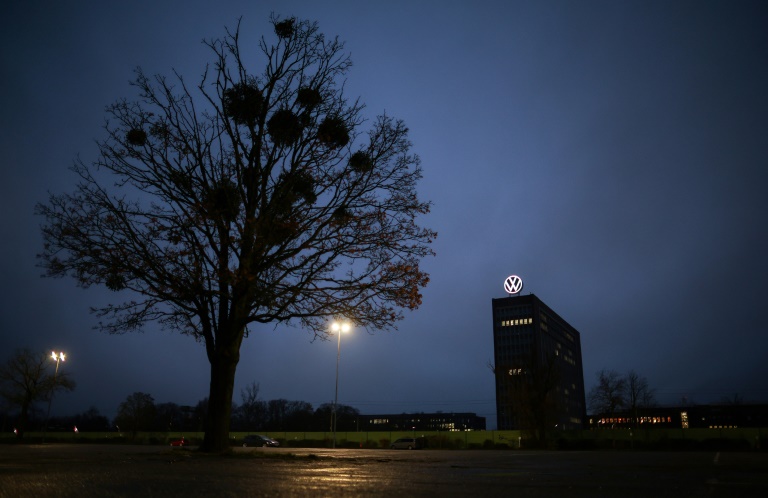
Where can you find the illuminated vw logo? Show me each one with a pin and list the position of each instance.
(513, 284)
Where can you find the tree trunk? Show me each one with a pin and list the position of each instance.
(23, 419)
(223, 366)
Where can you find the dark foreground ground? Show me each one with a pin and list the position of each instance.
(106, 470)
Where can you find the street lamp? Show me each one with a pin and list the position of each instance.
(58, 358)
(338, 327)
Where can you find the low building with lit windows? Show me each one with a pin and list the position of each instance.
(713, 416)
(537, 364)
(422, 422)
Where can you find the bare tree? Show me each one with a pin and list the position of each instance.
(734, 400)
(136, 413)
(639, 395)
(348, 418)
(247, 198)
(277, 413)
(609, 394)
(168, 417)
(252, 411)
(27, 378)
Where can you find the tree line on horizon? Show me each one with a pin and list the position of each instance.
(26, 385)
(139, 413)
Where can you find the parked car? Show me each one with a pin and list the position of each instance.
(259, 441)
(405, 443)
(180, 442)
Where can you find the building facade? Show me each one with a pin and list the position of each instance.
(537, 365)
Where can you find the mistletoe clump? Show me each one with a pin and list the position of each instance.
(115, 282)
(361, 162)
(341, 216)
(308, 98)
(223, 201)
(243, 103)
(136, 137)
(284, 127)
(303, 185)
(285, 29)
(291, 188)
(333, 132)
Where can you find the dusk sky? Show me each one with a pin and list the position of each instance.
(611, 153)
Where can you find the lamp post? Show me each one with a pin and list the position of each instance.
(58, 358)
(338, 327)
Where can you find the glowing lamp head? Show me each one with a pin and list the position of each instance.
(340, 327)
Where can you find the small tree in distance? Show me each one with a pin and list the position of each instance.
(347, 418)
(136, 413)
(609, 394)
(614, 392)
(25, 379)
(247, 198)
(251, 414)
(639, 395)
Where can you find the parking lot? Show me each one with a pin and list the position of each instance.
(117, 470)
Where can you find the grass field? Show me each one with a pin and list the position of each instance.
(655, 439)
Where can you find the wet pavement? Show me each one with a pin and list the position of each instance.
(115, 470)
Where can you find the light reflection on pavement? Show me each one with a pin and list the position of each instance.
(114, 470)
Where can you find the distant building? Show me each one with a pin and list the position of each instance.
(715, 416)
(422, 422)
(538, 369)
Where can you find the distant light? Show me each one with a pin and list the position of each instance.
(341, 326)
